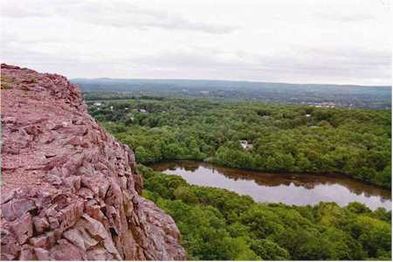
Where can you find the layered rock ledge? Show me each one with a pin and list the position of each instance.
(69, 190)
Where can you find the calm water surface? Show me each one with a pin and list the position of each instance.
(292, 189)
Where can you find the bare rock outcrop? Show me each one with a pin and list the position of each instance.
(69, 190)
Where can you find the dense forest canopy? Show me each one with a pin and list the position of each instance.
(220, 225)
(217, 224)
(279, 138)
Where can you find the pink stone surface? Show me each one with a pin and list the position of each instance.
(69, 190)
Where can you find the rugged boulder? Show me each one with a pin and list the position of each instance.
(69, 190)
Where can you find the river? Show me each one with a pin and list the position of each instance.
(291, 189)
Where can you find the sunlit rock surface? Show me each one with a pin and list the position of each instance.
(69, 190)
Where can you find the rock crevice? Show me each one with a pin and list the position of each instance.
(69, 190)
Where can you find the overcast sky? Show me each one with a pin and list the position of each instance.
(297, 41)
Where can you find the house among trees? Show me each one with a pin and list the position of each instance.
(245, 145)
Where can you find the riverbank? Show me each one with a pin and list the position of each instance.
(288, 188)
(212, 161)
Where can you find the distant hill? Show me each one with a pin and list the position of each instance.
(377, 97)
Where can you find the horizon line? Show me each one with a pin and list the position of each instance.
(223, 80)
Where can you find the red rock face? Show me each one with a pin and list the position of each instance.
(69, 190)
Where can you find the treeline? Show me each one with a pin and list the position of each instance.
(220, 225)
(280, 138)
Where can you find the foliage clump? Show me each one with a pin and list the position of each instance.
(284, 138)
(217, 224)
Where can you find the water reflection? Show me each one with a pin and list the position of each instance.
(296, 189)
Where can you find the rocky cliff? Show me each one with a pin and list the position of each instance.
(69, 190)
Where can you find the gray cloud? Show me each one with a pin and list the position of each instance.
(18, 11)
(143, 18)
(308, 69)
(345, 18)
(264, 41)
(114, 14)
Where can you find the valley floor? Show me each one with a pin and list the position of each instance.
(255, 136)
(217, 224)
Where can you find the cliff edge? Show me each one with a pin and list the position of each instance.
(69, 190)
